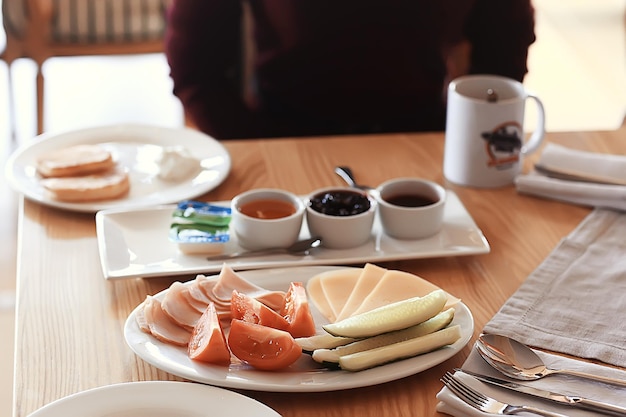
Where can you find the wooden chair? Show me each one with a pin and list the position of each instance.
(41, 29)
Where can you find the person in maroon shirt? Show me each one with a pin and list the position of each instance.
(324, 67)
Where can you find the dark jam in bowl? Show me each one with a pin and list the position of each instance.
(340, 203)
(410, 200)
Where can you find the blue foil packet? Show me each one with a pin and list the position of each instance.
(202, 213)
(200, 228)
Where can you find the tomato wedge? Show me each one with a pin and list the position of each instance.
(251, 310)
(262, 347)
(297, 312)
(207, 342)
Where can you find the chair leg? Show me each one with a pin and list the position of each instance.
(40, 98)
(12, 115)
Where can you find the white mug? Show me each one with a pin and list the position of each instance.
(484, 139)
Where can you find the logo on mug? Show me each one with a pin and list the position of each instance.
(503, 145)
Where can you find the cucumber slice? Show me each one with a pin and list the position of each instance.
(395, 316)
(330, 355)
(413, 347)
(322, 341)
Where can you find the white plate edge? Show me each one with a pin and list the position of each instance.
(401, 371)
(206, 393)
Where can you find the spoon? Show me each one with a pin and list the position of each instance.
(299, 248)
(346, 174)
(518, 361)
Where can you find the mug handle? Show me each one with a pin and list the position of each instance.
(533, 143)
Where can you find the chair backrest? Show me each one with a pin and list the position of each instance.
(41, 29)
(82, 22)
(89, 21)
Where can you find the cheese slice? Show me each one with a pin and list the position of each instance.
(317, 296)
(370, 275)
(337, 287)
(396, 286)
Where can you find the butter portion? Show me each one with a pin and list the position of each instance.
(176, 163)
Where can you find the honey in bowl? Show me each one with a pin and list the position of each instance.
(410, 200)
(267, 209)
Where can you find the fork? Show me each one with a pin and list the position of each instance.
(486, 404)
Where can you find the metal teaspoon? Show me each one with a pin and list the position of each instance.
(346, 174)
(518, 361)
(299, 248)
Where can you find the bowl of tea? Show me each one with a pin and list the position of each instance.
(341, 216)
(410, 208)
(266, 218)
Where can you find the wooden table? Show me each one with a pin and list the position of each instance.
(70, 319)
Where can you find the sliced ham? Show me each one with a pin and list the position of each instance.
(197, 292)
(229, 281)
(201, 288)
(176, 305)
(172, 319)
(199, 305)
(206, 284)
(161, 326)
(140, 318)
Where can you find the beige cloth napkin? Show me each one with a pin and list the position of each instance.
(600, 166)
(574, 302)
(450, 404)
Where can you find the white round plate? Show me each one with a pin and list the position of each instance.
(136, 147)
(155, 399)
(303, 376)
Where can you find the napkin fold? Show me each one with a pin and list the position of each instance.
(599, 166)
(573, 303)
(603, 166)
(450, 404)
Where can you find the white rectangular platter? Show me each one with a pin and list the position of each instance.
(135, 243)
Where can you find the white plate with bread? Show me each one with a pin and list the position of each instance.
(126, 165)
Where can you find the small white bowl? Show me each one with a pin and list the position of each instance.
(340, 231)
(256, 232)
(420, 215)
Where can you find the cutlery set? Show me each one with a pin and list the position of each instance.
(486, 404)
(572, 400)
(516, 360)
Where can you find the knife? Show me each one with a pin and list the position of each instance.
(581, 177)
(571, 400)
